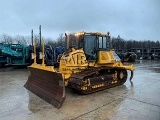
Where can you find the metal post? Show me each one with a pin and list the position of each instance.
(43, 52)
(34, 54)
(40, 37)
(32, 39)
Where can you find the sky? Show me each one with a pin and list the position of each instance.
(131, 19)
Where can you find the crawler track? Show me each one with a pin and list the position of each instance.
(96, 79)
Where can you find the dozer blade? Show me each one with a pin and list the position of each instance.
(47, 85)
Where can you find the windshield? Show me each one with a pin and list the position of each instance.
(89, 43)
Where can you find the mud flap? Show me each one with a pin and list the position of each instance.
(131, 76)
(47, 85)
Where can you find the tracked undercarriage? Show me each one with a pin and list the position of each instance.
(96, 79)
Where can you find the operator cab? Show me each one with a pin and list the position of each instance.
(92, 43)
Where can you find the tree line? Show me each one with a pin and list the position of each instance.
(118, 43)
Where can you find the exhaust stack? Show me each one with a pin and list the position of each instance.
(67, 40)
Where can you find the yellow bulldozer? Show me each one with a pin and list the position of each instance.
(92, 67)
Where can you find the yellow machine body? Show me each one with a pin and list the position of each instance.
(76, 61)
(85, 69)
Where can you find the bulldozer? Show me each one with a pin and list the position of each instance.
(91, 67)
